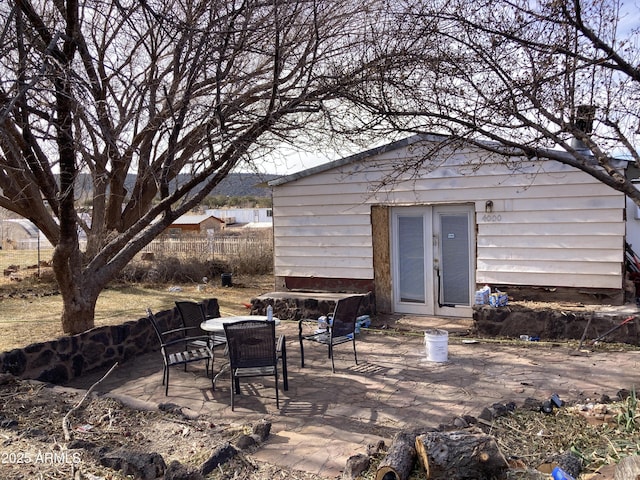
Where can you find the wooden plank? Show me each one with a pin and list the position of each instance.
(535, 266)
(323, 272)
(381, 240)
(319, 230)
(582, 230)
(607, 215)
(294, 241)
(551, 254)
(336, 263)
(434, 191)
(576, 202)
(334, 251)
(375, 174)
(324, 219)
(547, 279)
(604, 242)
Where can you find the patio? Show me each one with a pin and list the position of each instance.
(325, 418)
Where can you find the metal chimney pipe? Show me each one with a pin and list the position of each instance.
(583, 121)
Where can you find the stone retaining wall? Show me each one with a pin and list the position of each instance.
(555, 323)
(58, 361)
(307, 305)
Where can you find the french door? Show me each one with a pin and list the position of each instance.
(432, 259)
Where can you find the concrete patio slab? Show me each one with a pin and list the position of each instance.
(393, 387)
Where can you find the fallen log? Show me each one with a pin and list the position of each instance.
(400, 458)
(628, 468)
(460, 455)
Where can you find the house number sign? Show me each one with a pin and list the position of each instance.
(492, 218)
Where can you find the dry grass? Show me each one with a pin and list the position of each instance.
(30, 311)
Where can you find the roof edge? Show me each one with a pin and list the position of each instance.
(557, 155)
(355, 157)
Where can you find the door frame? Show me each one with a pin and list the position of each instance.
(430, 214)
(458, 209)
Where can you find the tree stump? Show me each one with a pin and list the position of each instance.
(628, 468)
(460, 456)
(400, 458)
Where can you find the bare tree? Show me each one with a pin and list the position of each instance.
(550, 79)
(157, 89)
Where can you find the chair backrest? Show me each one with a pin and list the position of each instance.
(154, 324)
(344, 315)
(191, 313)
(251, 343)
(211, 307)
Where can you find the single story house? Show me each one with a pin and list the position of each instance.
(195, 225)
(423, 241)
(242, 215)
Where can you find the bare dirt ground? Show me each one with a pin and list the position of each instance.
(34, 444)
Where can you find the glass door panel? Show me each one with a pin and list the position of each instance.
(454, 259)
(411, 253)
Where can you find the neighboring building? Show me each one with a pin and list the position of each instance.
(426, 241)
(195, 225)
(22, 234)
(232, 216)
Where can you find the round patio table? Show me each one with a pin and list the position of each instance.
(216, 325)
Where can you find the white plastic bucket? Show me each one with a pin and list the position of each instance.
(437, 345)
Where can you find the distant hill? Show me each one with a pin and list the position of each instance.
(234, 185)
(244, 184)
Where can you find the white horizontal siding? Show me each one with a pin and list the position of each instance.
(574, 279)
(568, 242)
(320, 242)
(550, 254)
(338, 233)
(580, 230)
(324, 220)
(550, 224)
(549, 196)
(560, 216)
(534, 265)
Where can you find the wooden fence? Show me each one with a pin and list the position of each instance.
(210, 247)
(184, 247)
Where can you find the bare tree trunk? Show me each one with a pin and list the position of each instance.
(78, 298)
(78, 310)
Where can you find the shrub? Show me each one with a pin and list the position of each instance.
(256, 260)
(173, 270)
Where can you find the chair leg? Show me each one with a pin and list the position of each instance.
(285, 377)
(333, 367)
(166, 388)
(277, 396)
(233, 390)
(355, 355)
(301, 353)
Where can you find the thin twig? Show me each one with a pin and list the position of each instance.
(65, 420)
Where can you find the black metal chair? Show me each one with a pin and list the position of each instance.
(342, 328)
(178, 347)
(254, 352)
(192, 315)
